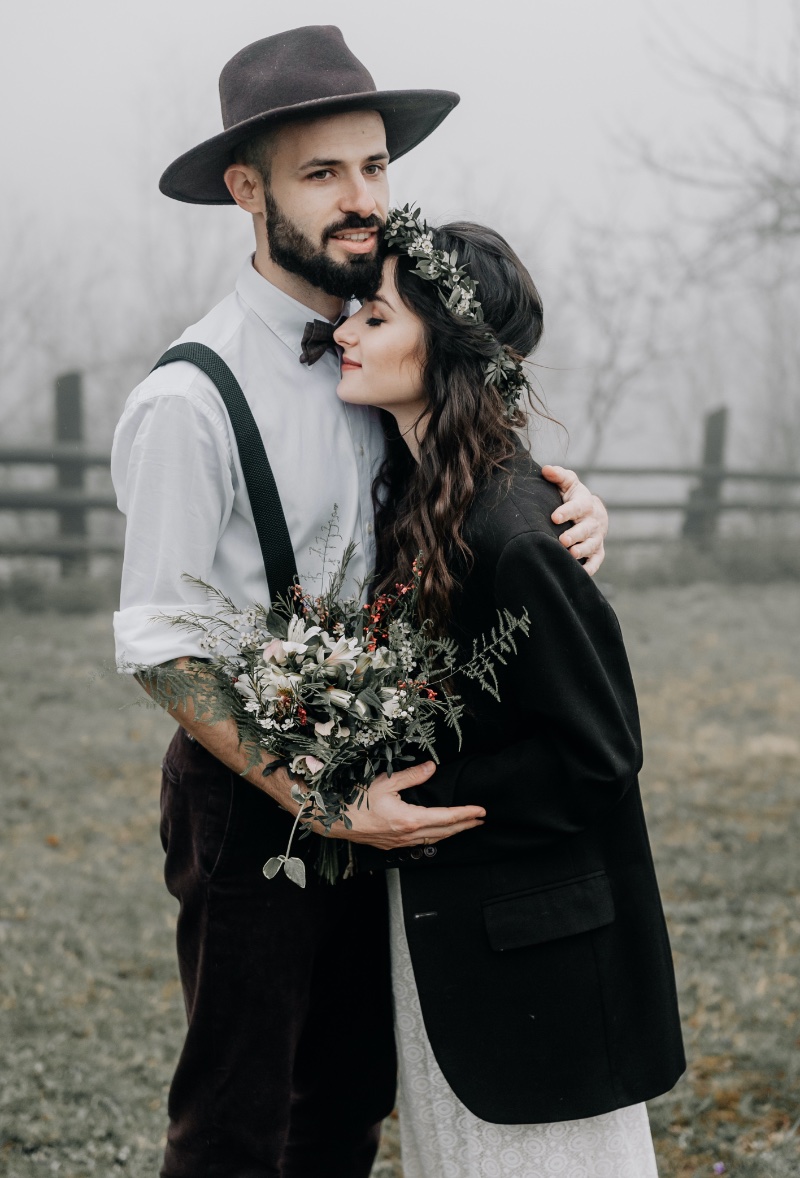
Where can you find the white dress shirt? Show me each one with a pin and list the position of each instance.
(178, 478)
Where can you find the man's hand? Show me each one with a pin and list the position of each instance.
(390, 822)
(587, 513)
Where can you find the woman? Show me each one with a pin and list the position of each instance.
(534, 994)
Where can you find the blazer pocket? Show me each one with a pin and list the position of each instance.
(546, 914)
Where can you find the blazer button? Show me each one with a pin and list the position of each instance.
(429, 852)
(416, 852)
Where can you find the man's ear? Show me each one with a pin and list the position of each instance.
(246, 187)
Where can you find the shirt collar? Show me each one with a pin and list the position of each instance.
(282, 314)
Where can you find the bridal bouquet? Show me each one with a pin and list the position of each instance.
(337, 691)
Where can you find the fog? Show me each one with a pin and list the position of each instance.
(649, 323)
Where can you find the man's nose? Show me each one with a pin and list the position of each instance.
(358, 198)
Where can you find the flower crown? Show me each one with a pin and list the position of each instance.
(407, 231)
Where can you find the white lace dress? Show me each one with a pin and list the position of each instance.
(440, 1138)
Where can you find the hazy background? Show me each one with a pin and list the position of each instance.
(642, 157)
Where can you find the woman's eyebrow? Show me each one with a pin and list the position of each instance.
(376, 298)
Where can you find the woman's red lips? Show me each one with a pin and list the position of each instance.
(349, 363)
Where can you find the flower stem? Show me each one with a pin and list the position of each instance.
(294, 827)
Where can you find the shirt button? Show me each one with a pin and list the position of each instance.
(429, 852)
(361, 450)
(416, 852)
(370, 529)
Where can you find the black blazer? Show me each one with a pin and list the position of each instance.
(538, 942)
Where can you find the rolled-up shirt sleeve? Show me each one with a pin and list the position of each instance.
(173, 475)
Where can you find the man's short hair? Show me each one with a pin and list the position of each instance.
(256, 152)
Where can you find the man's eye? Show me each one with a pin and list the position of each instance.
(373, 321)
(321, 175)
(373, 169)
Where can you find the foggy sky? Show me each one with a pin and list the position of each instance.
(99, 95)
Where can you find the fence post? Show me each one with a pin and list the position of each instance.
(71, 475)
(703, 505)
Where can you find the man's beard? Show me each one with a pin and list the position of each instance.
(289, 247)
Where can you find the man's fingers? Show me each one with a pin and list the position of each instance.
(579, 506)
(405, 778)
(594, 562)
(582, 546)
(579, 533)
(423, 819)
(437, 834)
(565, 480)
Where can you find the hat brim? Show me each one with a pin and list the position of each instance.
(408, 115)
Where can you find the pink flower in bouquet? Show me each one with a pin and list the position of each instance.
(306, 763)
(275, 651)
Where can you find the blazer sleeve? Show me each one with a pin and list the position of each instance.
(579, 746)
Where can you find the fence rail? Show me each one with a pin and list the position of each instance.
(59, 454)
(71, 500)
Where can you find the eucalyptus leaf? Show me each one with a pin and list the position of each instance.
(296, 871)
(278, 625)
(273, 866)
(319, 799)
(370, 697)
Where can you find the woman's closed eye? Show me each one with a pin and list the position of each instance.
(373, 321)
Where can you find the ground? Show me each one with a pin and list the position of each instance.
(90, 1007)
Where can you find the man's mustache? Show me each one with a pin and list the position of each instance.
(352, 221)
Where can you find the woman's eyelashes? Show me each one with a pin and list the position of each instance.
(373, 321)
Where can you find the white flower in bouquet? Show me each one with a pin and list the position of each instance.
(339, 697)
(391, 701)
(342, 653)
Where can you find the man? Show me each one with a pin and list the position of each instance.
(288, 1066)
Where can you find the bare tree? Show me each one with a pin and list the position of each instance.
(613, 306)
(751, 173)
(741, 228)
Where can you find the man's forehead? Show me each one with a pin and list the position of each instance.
(350, 135)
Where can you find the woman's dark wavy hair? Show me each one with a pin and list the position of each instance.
(420, 508)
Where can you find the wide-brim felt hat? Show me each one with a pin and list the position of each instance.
(298, 74)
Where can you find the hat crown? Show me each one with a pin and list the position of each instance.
(299, 65)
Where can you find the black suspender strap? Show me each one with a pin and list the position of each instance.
(273, 534)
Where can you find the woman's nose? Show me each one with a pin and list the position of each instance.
(344, 335)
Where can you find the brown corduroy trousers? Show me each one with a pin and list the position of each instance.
(288, 1066)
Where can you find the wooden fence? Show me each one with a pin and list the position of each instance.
(702, 509)
(70, 501)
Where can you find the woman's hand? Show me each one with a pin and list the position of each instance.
(585, 539)
(389, 822)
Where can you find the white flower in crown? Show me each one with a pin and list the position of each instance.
(422, 242)
(464, 304)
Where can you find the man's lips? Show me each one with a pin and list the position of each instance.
(356, 241)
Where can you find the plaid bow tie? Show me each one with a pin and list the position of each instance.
(317, 338)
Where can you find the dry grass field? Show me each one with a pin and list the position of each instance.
(90, 1008)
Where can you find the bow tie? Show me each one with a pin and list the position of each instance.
(317, 338)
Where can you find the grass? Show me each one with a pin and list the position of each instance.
(91, 1014)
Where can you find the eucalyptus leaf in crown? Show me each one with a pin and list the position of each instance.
(408, 232)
